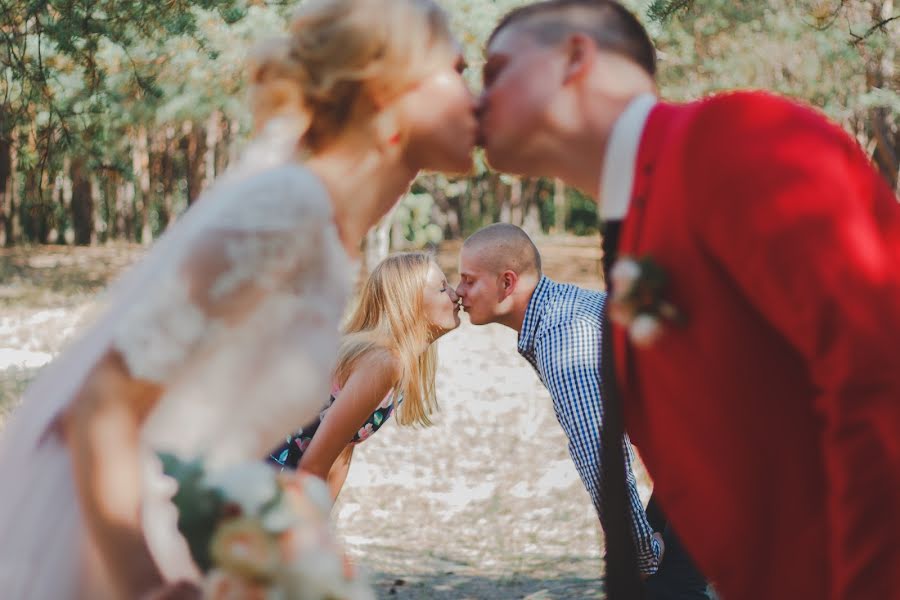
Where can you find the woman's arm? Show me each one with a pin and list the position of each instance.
(371, 380)
(102, 430)
(338, 473)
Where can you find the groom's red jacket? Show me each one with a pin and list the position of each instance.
(770, 420)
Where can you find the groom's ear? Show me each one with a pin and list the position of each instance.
(580, 55)
(508, 281)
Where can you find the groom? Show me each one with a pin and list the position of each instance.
(560, 328)
(769, 414)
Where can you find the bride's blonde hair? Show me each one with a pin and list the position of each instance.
(338, 56)
(390, 316)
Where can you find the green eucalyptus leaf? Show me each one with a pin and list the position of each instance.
(199, 507)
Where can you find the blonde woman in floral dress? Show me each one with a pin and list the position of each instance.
(386, 364)
(222, 339)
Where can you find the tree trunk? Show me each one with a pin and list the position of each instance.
(143, 200)
(6, 185)
(213, 135)
(60, 201)
(475, 202)
(501, 195)
(454, 217)
(378, 241)
(15, 199)
(559, 206)
(97, 203)
(516, 212)
(397, 239)
(35, 220)
(82, 203)
(110, 198)
(226, 143)
(234, 130)
(124, 199)
(531, 219)
(168, 210)
(194, 151)
(880, 73)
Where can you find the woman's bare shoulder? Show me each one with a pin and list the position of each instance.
(379, 364)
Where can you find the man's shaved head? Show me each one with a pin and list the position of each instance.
(502, 247)
(608, 23)
(499, 268)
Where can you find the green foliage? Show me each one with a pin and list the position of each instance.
(199, 506)
(582, 213)
(67, 62)
(412, 218)
(103, 80)
(662, 10)
(777, 45)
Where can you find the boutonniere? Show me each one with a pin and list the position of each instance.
(637, 302)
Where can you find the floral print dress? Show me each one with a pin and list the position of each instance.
(288, 455)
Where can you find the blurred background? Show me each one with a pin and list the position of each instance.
(114, 115)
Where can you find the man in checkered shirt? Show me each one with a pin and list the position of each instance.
(560, 328)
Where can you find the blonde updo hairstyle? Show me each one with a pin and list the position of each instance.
(340, 57)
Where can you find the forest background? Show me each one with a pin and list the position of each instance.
(115, 114)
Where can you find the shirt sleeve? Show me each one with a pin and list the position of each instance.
(567, 359)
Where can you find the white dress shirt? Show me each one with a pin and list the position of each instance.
(617, 178)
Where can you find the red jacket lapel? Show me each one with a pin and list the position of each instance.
(653, 141)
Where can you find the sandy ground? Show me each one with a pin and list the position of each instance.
(483, 505)
(486, 503)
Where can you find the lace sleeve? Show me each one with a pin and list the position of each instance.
(257, 239)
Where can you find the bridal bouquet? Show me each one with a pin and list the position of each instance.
(257, 533)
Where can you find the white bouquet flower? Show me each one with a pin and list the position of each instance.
(638, 300)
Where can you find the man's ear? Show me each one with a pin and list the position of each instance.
(508, 281)
(581, 51)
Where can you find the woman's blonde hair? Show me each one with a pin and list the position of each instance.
(341, 54)
(390, 316)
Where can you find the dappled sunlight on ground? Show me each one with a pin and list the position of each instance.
(486, 503)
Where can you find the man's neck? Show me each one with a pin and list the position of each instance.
(583, 154)
(515, 318)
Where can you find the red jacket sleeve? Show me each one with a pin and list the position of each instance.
(791, 209)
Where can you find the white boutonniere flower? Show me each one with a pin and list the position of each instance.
(637, 300)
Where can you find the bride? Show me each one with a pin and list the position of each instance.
(222, 339)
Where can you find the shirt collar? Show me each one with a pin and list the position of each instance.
(617, 177)
(533, 314)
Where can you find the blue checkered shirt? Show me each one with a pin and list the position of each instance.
(560, 337)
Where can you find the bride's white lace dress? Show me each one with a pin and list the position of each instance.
(235, 311)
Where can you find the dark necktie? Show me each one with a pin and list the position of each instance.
(622, 581)
(611, 230)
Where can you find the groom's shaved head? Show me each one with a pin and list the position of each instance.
(609, 24)
(502, 247)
